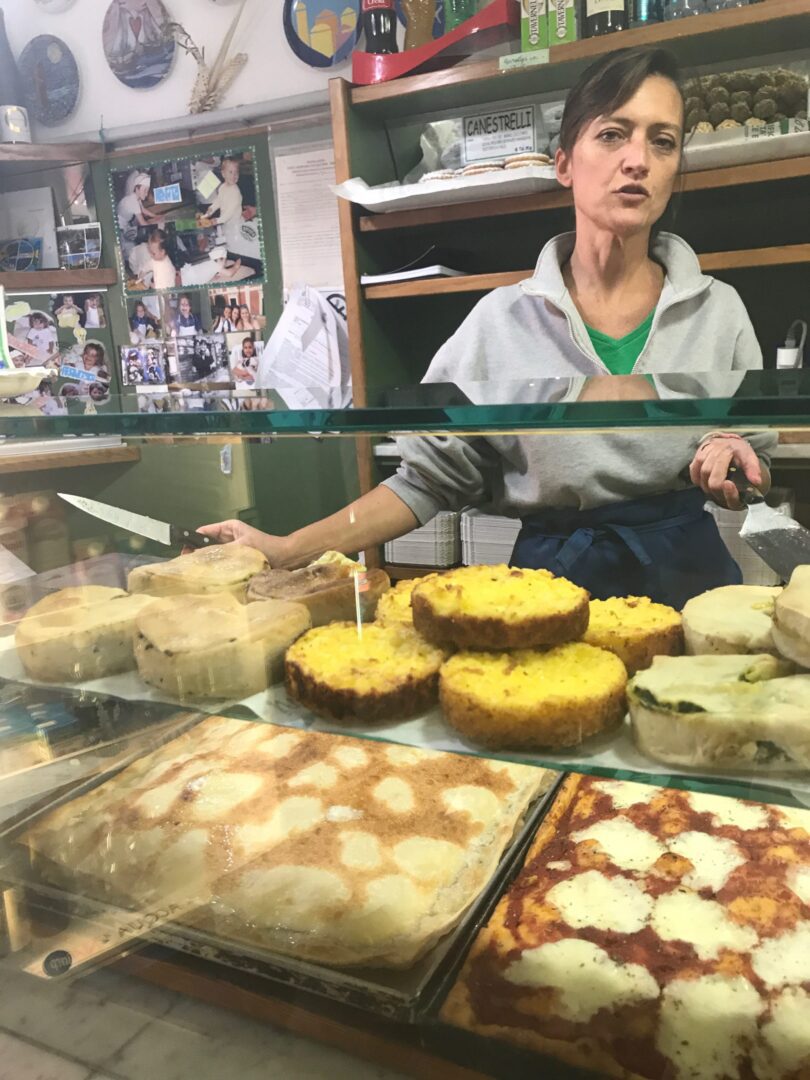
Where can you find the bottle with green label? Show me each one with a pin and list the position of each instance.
(458, 11)
(603, 17)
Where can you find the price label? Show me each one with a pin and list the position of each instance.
(499, 134)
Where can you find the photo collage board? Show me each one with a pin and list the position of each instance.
(190, 244)
(67, 336)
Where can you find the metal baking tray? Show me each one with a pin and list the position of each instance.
(103, 933)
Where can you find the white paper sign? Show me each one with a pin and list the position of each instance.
(499, 134)
(308, 223)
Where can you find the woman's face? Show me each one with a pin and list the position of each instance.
(185, 307)
(622, 167)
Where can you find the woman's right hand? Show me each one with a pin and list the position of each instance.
(237, 532)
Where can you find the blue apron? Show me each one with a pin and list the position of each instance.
(666, 547)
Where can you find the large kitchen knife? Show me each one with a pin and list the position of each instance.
(161, 531)
(777, 538)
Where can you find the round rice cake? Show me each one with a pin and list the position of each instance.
(499, 607)
(394, 606)
(731, 620)
(636, 629)
(534, 698)
(385, 673)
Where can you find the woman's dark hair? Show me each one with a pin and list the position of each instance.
(610, 82)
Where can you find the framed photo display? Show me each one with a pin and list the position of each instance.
(189, 223)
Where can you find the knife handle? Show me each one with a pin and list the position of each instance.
(748, 493)
(181, 537)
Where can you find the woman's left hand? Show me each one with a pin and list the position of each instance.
(711, 464)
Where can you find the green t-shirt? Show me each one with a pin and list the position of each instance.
(619, 355)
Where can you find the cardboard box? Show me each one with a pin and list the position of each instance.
(562, 22)
(533, 25)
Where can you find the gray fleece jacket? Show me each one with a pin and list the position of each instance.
(527, 342)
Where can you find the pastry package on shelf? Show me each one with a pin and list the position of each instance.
(635, 629)
(791, 620)
(734, 620)
(322, 847)
(723, 712)
(197, 648)
(651, 933)
(332, 590)
(530, 699)
(224, 568)
(374, 674)
(499, 607)
(77, 634)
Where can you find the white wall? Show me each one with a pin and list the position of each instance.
(273, 80)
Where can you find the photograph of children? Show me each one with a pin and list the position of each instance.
(94, 317)
(145, 322)
(203, 359)
(79, 309)
(34, 337)
(244, 352)
(239, 309)
(88, 369)
(143, 365)
(181, 314)
(189, 222)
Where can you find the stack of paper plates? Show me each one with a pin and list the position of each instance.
(487, 539)
(435, 544)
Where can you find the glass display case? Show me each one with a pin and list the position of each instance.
(408, 794)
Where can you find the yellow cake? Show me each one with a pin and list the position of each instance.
(534, 698)
(383, 673)
(498, 607)
(635, 629)
(394, 607)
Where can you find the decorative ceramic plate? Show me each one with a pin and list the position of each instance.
(54, 7)
(438, 22)
(138, 42)
(50, 78)
(322, 33)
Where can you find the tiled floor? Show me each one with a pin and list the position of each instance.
(110, 1027)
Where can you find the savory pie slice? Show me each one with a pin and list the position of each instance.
(320, 846)
(652, 934)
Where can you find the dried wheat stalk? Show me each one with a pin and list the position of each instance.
(212, 83)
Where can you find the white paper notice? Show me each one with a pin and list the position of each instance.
(309, 230)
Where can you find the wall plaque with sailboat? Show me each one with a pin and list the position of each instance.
(138, 42)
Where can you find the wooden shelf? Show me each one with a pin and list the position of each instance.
(759, 29)
(750, 258)
(71, 459)
(65, 153)
(30, 281)
(756, 173)
(399, 572)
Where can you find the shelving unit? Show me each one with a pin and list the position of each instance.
(787, 255)
(48, 155)
(27, 281)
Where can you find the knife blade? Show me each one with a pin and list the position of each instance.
(777, 538)
(160, 531)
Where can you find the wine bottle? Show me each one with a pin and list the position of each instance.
(603, 16)
(13, 116)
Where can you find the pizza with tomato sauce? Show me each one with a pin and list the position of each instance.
(652, 934)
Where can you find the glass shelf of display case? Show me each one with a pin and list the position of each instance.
(735, 399)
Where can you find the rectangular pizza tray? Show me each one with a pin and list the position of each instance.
(104, 933)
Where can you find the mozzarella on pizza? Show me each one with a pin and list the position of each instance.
(652, 934)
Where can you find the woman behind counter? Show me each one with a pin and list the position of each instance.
(608, 511)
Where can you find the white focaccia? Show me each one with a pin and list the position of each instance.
(732, 620)
(791, 623)
(208, 647)
(81, 633)
(723, 711)
(222, 569)
(324, 847)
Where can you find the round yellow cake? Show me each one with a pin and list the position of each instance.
(636, 629)
(394, 606)
(498, 607)
(534, 698)
(385, 673)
